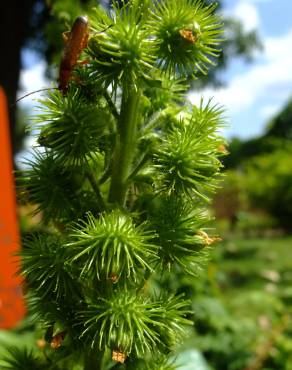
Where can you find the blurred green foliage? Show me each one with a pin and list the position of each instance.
(257, 190)
(242, 307)
(281, 125)
(277, 135)
(241, 151)
(268, 181)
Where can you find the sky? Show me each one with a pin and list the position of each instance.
(255, 91)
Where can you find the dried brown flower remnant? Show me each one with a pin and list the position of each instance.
(188, 35)
(208, 240)
(58, 339)
(118, 356)
(41, 343)
(114, 278)
(222, 149)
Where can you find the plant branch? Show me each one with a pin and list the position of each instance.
(139, 166)
(111, 105)
(96, 189)
(151, 122)
(105, 175)
(125, 146)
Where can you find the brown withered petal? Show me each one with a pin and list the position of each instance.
(58, 339)
(222, 149)
(188, 35)
(207, 239)
(114, 278)
(41, 343)
(118, 356)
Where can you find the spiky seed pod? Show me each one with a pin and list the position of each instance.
(58, 317)
(112, 245)
(187, 33)
(45, 272)
(187, 159)
(22, 359)
(164, 91)
(53, 188)
(73, 128)
(178, 226)
(134, 324)
(123, 53)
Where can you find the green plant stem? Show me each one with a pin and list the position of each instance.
(105, 175)
(111, 105)
(139, 166)
(125, 146)
(96, 189)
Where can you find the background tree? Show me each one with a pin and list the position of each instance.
(277, 135)
(16, 28)
(281, 125)
(261, 167)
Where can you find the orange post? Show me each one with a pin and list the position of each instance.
(11, 302)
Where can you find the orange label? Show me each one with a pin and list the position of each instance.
(11, 302)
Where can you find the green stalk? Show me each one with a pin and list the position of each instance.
(96, 189)
(125, 146)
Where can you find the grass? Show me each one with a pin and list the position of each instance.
(250, 280)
